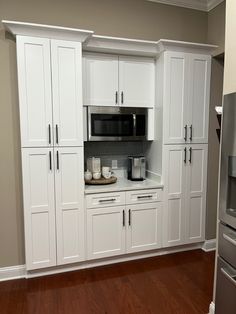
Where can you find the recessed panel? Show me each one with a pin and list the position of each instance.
(174, 220)
(195, 217)
(70, 232)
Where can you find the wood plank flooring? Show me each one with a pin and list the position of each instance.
(180, 283)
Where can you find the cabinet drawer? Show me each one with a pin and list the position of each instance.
(105, 199)
(143, 196)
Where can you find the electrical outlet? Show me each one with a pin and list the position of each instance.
(114, 164)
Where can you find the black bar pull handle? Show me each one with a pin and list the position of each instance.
(123, 218)
(185, 155)
(185, 132)
(57, 160)
(191, 132)
(122, 97)
(190, 155)
(56, 134)
(116, 97)
(50, 160)
(129, 217)
(49, 134)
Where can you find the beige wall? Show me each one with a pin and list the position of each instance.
(230, 48)
(126, 18)
(216, 28)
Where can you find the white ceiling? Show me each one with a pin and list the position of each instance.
(202, 5)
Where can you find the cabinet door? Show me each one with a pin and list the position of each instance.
(196, 193)
(69, 204)
(105, 232)
(174, 167)
(67, 92)
(199, 95)
(34, 83)
(100, 80)
(136, 82)
(175, 106)
(144, 227)
(39, 208)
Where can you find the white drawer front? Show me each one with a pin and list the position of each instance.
(144, 196)
(105, 199)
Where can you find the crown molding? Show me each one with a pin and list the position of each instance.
(49, 31)
(201, 5)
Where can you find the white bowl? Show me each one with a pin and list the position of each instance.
(107, 175)
(97, 175)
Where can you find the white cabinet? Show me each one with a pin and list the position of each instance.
(53, 206)
(50, 92)
(69, 204)
(196, 182)
(125, 81)
(186, 97)
(35, 95)
(133, 226)
(105, 232)
(185, 193)
(39, 207)
(67, 92)
(144, 227)
(100, 79)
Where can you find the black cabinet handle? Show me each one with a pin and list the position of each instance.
(116, 97)
(123, 218)
(144, 197)
(49, 134)
(56, 134)
(185, 132)
(57, 160)
(107, 200)
(190, 155)
(122, 97)
(50, 160)
(191, 132)
(185, 155)
(129, 217)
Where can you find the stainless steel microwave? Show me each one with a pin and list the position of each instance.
(116, 124)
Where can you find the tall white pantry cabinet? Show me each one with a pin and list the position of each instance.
(50, 96)
(185, 102)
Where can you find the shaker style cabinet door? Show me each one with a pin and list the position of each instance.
(39, 207)
(69, 204)
(105, 232)
(136, 82)
(34, 82)
(67, 93)
(196, 181)
(199, 97)
(175, 169)
(143, 225)
(176, 107)
(100, 80)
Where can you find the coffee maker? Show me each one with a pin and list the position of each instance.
(136, 168)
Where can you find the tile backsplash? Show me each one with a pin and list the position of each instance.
(109, 151)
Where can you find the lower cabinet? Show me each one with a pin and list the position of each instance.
(117, 230)
(185, 178)
(53, 206)
(144, 227)
(105, 232)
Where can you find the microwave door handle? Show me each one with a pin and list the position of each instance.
(134, 124)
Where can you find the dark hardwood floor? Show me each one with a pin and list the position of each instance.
(179, 283)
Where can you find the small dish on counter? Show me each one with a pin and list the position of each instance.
(101, 181)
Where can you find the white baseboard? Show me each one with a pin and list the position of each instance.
(16, 272)
(209, 245)
(12, 272)
(212, 308)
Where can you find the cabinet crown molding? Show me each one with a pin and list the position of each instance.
(106, 44)
(47, 31)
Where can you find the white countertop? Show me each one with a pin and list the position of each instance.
(124, 184)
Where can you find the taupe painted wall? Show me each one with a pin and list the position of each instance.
(216, 27)
(125, 18)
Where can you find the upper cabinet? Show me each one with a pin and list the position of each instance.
(110, 80)
(50, 92)
(186, 97)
